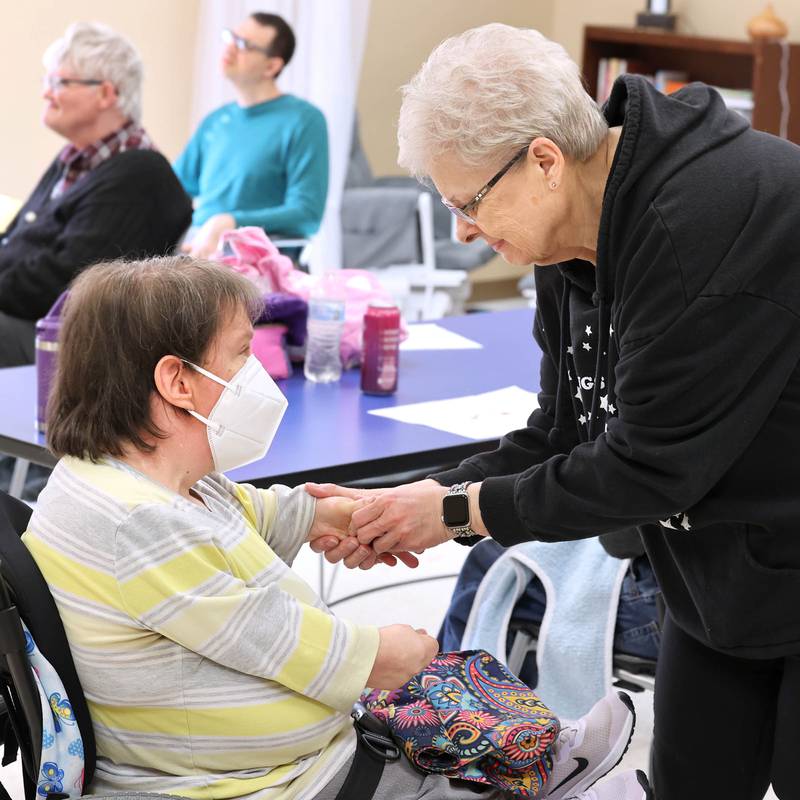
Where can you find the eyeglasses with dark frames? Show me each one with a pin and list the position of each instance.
(55, 83)
(465, 212)
(240, 43)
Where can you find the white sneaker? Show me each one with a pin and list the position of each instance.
(591, 746)
(630, 785)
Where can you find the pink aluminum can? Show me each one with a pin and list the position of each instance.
(381, 351)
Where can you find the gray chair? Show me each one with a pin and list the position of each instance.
(397, 226)
(632, 673)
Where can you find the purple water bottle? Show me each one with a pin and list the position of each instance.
(47, 330)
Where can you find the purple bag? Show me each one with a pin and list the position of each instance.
(47, 330)
(289, 310)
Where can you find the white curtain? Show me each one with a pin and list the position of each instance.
(325, 70)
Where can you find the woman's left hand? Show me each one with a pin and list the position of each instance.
(406, 517)
(329, 535)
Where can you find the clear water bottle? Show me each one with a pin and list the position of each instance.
(325, 324)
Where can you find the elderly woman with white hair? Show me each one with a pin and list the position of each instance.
(668, 316)
(108, 193)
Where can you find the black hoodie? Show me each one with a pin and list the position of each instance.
(670, 387)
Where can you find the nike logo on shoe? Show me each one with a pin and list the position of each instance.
(582, 764)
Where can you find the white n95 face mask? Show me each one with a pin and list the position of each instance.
(245, 419)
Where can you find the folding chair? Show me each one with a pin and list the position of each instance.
(632, 673)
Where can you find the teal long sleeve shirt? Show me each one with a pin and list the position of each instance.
(266, 165)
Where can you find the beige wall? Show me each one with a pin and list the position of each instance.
(725, 19)
(401, 34)
(163, 31)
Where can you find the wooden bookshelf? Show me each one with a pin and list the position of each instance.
(728, 63)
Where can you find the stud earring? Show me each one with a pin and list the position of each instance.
(553, 185)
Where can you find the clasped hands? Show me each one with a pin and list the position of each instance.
(384, 526)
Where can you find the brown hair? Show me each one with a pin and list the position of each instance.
(284, 42)
(120, 319)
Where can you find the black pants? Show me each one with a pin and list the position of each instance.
(725, 727)
(17, 337)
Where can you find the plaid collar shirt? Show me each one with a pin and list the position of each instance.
(77, 163)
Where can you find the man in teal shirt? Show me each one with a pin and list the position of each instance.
(262, 160)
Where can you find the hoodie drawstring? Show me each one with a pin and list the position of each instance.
(602, 348)
(563, 377)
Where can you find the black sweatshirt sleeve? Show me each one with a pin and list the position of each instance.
(526, 447)
(125, 215)
(690, 401)
(95, 233)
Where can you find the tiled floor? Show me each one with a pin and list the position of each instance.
(421, 604)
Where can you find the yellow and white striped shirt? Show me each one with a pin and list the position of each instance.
(210, 668)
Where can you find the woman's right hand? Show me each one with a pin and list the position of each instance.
(402, 653)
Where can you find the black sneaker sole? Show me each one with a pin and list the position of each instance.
(626, 698)
(645, 784)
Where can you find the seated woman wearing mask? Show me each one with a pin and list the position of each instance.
(211, 670)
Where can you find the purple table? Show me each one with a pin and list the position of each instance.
(327, 434)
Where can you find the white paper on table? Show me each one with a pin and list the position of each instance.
(476, 416)
(429, 336)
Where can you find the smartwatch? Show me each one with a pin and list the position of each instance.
(455, 511)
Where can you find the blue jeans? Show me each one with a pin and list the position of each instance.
(637, 631)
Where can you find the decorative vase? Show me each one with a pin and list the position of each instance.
(767, 25)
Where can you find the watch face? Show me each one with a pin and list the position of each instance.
(455, 510)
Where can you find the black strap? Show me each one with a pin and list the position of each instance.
(364, 774)
(374, 747)
(8, 736)
(29, 787)
(12, 638)
(13, 737)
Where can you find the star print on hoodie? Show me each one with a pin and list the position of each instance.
(585, 361)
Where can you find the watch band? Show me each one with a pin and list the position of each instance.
(462, 531)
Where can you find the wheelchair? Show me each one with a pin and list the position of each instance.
(24, 595)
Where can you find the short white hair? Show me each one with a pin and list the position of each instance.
(95, 51)
(487, 93)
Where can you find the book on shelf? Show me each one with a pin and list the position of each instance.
(609, 69)
(666, 81)
(670, 80)
(736, 99)
(670, 87)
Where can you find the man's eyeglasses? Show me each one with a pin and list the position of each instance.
(465, 212)
(55, 83)
(240, 43)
